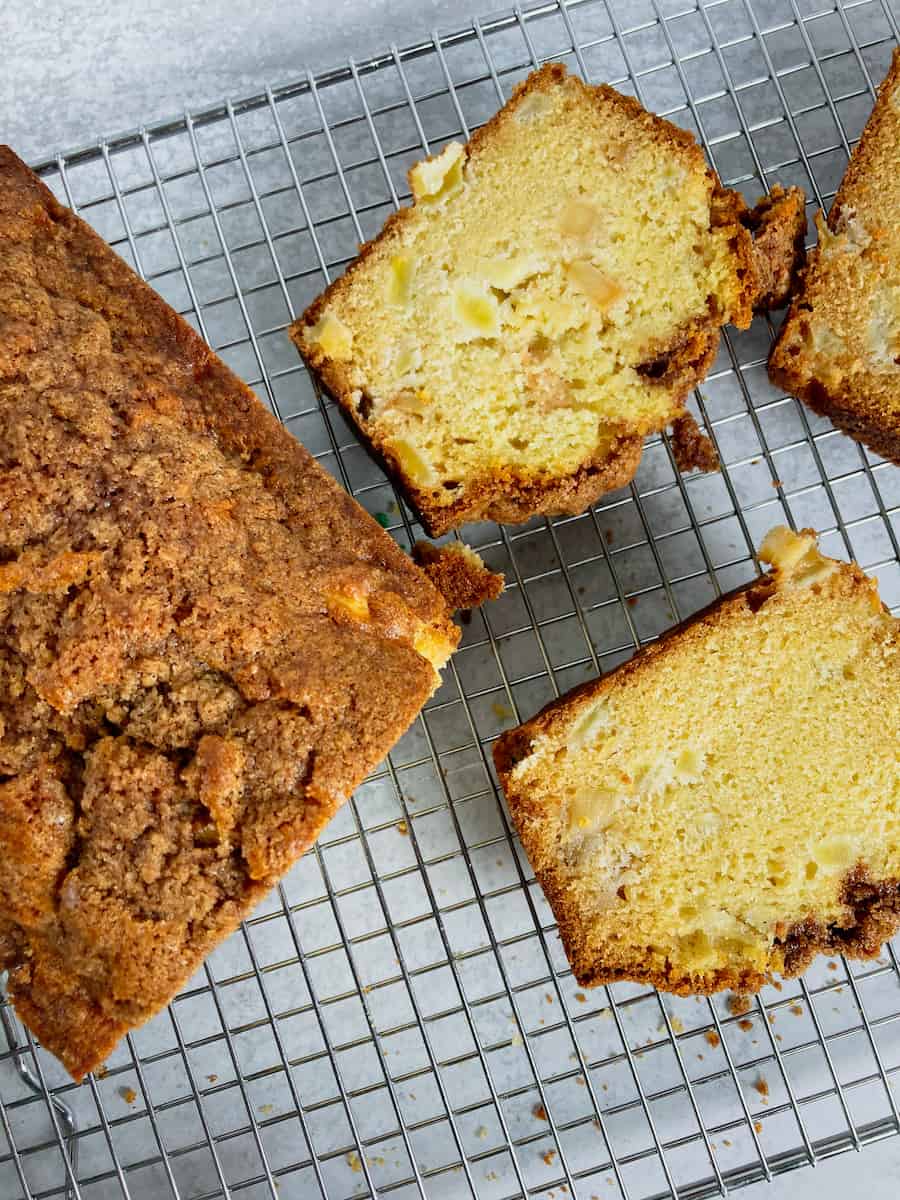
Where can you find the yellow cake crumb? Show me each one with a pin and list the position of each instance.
(673, 809)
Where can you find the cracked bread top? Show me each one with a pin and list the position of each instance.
(205, 644)
(550, 297)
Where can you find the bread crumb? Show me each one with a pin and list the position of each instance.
(725, 1142)
(128, 1094)
(777, 985)
(677, 1024)
(212, 1078)
(548, 1157)
(459, 574)
(101, 1072)
(761, 1085)
(502, 712)
(758, 1126)
(539, 1112)
(745, 1025)
(265, 1109)
(403, 828)
(353, 1162)
(832, 966)
(738, 1005)
(579, 1079)
(691, 449)
(481, 1132)
(712, 1038)
(797, 1010)
(580, 997)
(770, 1017)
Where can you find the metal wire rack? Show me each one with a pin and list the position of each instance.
(397, 1018)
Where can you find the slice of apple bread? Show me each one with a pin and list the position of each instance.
(552, 295)
(727, 803)
(839, 347)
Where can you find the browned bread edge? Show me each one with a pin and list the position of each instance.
(245, 428)
(875, 903)
(843, 408)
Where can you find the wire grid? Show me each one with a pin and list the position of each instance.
(397, 1017)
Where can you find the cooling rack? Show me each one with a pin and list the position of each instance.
(397, 1018)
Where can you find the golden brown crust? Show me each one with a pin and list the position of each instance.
(692, 450)
(459, 574)
(778, 225)
(508, 497)
(877, 428)
(875, 904)
(683, 360)
(727, 212)
(205, 644)
(857, 395)
(512, 496)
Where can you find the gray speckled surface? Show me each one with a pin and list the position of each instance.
(76, 69)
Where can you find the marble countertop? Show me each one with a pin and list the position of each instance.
(77, 69)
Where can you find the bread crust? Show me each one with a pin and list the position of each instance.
(865, 404)
(85, 340)
(508, 495)
(778, 224)
(875, 904)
